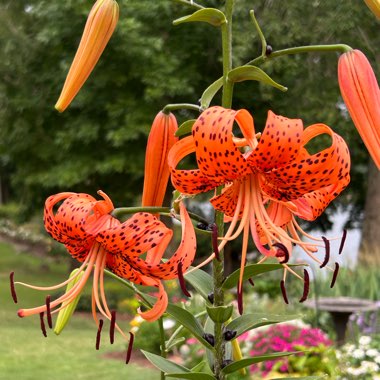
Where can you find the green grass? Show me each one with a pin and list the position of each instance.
(25, 354)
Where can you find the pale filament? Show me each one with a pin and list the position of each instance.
(59, 285)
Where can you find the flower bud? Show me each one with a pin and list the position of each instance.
(68, 308)
(156, 176)
(101, 23)
(374, 6)
(360, 92)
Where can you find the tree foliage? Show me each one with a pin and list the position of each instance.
(99, 141)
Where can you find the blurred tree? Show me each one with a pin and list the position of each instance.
(98, 143)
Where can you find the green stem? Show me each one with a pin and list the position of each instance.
(181, 106)
(227, 55)
(162, 342)
(260, 33)
(190, 3)
(342, 48)
(218, 265)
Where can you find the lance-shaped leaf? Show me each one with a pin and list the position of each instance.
(187, 319)
(243, 73)
(210, 92)
(192, 376)
(250, 271)
(220, 314)
(210, 15)
(248, 322)
(257, 359)
(201, 281)
(163, 364)
(185, 128)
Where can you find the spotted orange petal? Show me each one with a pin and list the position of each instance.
(307, 174)
(187, 181)
(279, 144)
(218, 157)
(227, 201)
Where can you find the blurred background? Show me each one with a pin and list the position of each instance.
(99, 143)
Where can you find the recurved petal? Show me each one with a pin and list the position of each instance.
(228, 200)
(217, 155)
(312, 205)
(279, 144)
(187, 181)
(309, 173)
(360, 92)
(100, 25)
(140, 233)
(161, 139)
(160, 306)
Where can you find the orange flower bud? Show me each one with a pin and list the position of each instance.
(360, 92)
(161, 139)
(101, 23)
(374, 6)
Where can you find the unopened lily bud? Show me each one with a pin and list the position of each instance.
(360, 92)
(374, 6)
(156, 176)
(68, 309)
(101, 23)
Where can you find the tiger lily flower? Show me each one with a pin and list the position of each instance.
(98, 240)
(161, 139)
(361, 94)
(269, 180)
(101, 23)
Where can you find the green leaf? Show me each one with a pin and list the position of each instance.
(250, 271)
(201, 281)
(187, 319)
(173, 343)
(243, 73)
(185, 128)
(210, 15)
(201, 366)
(257, 359)
(248, 322)
(210, 92)
(192, 375)
(163, 364)
(219, 314)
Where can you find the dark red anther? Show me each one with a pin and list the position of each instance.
(181, 280)
(130, 346)
(13, 289)
(342, 241)
(282, 252)
(214, 229)
(251, 281)
(98, 334)
(42, 323)
(240, 299)
(327, 254)
(335, 275)
(306, 285)
(112, 326)
(48, 312)
(283, 291)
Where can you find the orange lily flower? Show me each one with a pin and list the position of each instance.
(101, 23)
(161, 139)
(360, 92)
(98, 240)
(268, 180)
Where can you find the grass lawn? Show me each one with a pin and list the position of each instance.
(25, 354)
